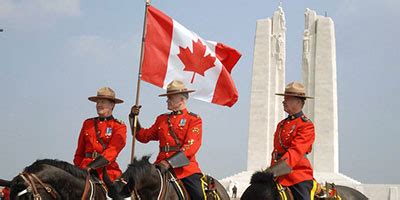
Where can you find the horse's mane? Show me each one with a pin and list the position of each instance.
(262, 177)
(263, 180)
(139, 168)
(73, 170)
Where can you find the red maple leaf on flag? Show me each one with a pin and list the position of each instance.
(196, 62)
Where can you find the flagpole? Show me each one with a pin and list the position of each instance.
(135, 119)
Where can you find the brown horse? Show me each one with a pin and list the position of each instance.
(263, 186)
(143, 180)
(53, 179)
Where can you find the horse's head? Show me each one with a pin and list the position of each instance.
(262, 186)
(141, 177)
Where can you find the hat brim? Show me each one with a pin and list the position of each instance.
(294, 95)
(176, 92)
(96, 98)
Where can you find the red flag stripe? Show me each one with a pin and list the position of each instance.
(158, 43)
(227, 55)
(225, 92)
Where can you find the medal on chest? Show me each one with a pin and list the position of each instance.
(182, 122)
(292, 129)
(108, 131)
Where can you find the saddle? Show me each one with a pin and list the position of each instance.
(327, 192)
(208, 183)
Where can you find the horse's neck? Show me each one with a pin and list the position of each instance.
(63, 182)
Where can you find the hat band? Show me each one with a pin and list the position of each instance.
(105, 96)
(180, 90)
(296, 93)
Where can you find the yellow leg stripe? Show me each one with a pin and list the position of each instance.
(204, 183)
(203, 186)
(313, 190)
(281, 192)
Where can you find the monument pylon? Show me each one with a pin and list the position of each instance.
(319, 78)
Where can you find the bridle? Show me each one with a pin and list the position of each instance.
(135, 194)
(32, 180)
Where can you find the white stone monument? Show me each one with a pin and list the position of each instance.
(319, 78)
(268, 79)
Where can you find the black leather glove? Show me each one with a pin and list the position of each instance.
(99, 162)
(179, 159)
(135, 113)
(279, 169)
(135, 110)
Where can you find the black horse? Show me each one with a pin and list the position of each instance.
(54, 179)
(263, 186)
(143, 180)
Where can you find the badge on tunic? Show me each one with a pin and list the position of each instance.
(182, 122)
(108, 131)
(196, 130)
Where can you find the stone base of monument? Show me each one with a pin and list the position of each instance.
(372, 191)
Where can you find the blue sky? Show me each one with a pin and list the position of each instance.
(56, 53)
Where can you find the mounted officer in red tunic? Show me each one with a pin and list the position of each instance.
(179, 134)
(293, 140)
(101, 138)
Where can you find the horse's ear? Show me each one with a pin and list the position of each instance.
(262, 177)
(146, 157)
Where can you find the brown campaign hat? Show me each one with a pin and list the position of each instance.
(105, 93)
(176, 87)
(295, 89)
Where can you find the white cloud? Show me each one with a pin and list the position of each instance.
(94, 48)
(60, 7)
(25, 12)
(364, 7)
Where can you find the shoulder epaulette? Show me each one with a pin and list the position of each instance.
(119, 121)
(305, 119)
(194, 114)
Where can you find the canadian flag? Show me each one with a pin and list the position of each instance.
(172, 52)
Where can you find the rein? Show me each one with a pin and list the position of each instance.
(90, 191)
(161, 194)
(32, 180)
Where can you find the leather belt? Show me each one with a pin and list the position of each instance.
(93, 155)
(277, 156)
(169, 148)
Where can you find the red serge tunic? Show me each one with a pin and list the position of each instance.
(113, 134)
(188, 129)
(293, 139)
